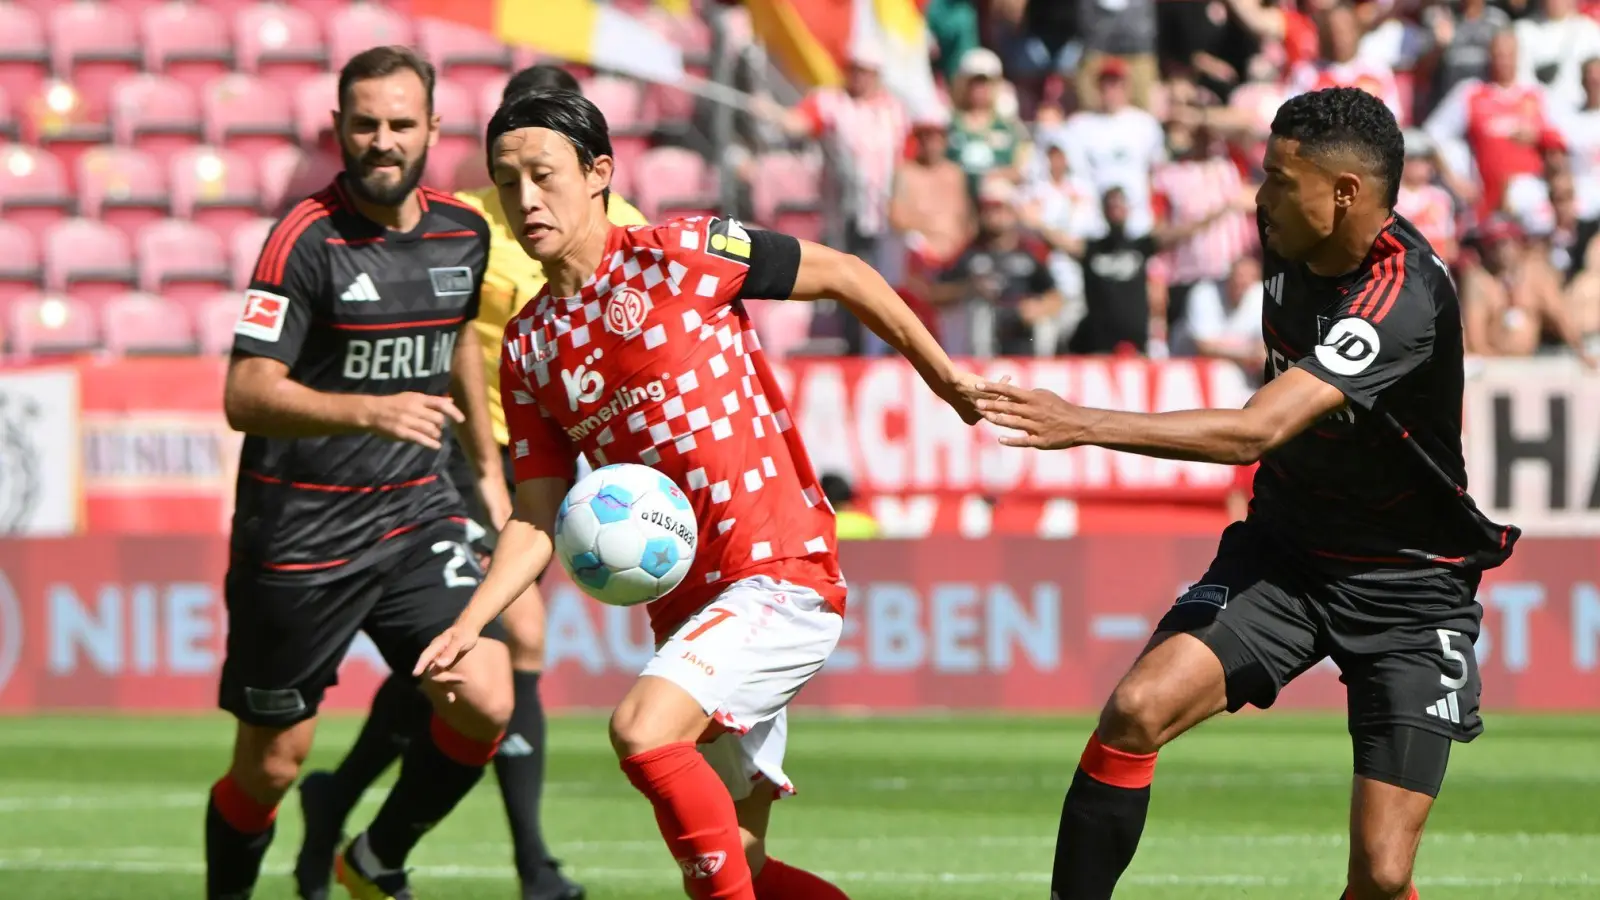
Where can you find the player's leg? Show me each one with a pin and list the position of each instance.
(1405, 647)
(284, 646)
(1236, 637)
(732, 667)
(422, 597)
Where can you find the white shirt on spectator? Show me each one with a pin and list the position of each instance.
(1118, 150)
(1581, 130)
(1069, 206)
(1566, 44)
(1210, 320)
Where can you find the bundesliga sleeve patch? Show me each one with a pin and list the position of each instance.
(728, 239)
(263, 316)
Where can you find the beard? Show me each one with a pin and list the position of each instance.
(371, 187)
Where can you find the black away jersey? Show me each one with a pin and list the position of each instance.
(1382, 481)
(353, 308)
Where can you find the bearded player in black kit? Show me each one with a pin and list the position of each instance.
(1361, 543)
(354, 351)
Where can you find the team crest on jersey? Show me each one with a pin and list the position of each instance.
(626, 310)
(728, 240)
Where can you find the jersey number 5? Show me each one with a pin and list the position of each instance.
(460, 557)
(1453, 655)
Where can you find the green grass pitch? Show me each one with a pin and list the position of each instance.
(105, 808)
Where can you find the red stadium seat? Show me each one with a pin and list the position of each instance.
(783, 178)
(621, 99)
(489, 92)
(355, 27)
(25, 53)
(468, 56)
(277, 172)
(802, 220)
(157, 114)
(677, 207)
(214, 321)
(215, 187)
(92, 259)
(315, 100)
(668, 106)
(123, 187)
(138, 323)
(279, 43)
(10, 129)
(669, 172)
(459, 136)
(64, 121)
(34, 189)
(21, 266)
(190, 42)
(245, 249)
(181, 260)
(244, 113)
(94, 44)
(42, 324)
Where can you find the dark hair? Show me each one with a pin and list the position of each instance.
(567, 113)
(1347, 120)
(837, 489)
(379, 62)
(541, 77)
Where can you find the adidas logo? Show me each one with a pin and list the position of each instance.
(1274, 287)
(515, 745)
(1447, 709)
(362, 290)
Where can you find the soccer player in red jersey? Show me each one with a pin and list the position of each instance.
(638, 349)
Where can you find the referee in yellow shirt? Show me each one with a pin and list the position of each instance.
(399, 709)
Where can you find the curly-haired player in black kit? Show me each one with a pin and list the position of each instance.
(1361, 543)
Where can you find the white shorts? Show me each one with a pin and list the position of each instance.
(743, 658)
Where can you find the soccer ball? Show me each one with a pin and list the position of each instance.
(626, 534)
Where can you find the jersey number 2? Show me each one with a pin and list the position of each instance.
(460, 557)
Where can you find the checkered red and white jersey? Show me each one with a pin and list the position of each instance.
(656, 362)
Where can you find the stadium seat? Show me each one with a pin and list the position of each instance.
(277, 170)
(315, 99)
(42, 324)
(189, 42)
(247, 114)
(25, 53)
(489, 92)
(668, 106)
(676, 207)
(94, 44)
(245, 249)
(216, 188)
(64, 121)
(123, 187)
(89, 259)
(459, 140)
(803, 220)
(783, 178)
(214, 321)
(355, 27)
(182, 261)
(34, 189)
(468, 56)
(622, 100)
(21, 267)
(279, 43)
(140, 323)
(669, 172)
(158, 114)
(10, 129)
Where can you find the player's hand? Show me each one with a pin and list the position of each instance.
(958, 390)
(1040, 419)
(417, 418)
(438, 661)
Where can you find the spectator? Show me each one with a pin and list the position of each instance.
(1197, 183)
(1121, 33)
(982, 140)
(1116, 146)
(851, 523)
(1583, 300)
(1580, 131)
(1502, 127)
(1062, 207)
(1213, 41)
(1116, 289)
(1000, 290)
(1339, 36)
(953, 25)
(1461, 35)
(1552, 48)
(1428, 206)
(931, 207)
(1512, 302)
(1035, 39)
(1225, 323)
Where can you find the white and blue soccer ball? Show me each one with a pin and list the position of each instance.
(626, 534)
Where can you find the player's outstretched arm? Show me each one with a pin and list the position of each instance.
(847, 279)
(261, 399)
(1283, 408)
(475, 431)
(523, 551)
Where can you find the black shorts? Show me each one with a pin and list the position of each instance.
(285, 642)
(1403, 641)
(465, 482)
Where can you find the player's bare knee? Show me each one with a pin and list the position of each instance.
(1380, 873)
(266, 763)
(524, 623)
(1133, 719)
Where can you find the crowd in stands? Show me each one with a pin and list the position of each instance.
(1085, 185)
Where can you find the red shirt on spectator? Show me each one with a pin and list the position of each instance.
(1506, 127)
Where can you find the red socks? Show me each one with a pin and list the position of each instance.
(696, 816)
(781, 881)
(241, 811)
(1117, 768)
(458, 747)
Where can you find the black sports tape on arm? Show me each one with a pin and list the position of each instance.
(774, 266)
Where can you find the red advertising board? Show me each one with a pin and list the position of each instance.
(1008, 625)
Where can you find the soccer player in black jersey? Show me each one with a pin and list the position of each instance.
(1361, 543)
(353, 353)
